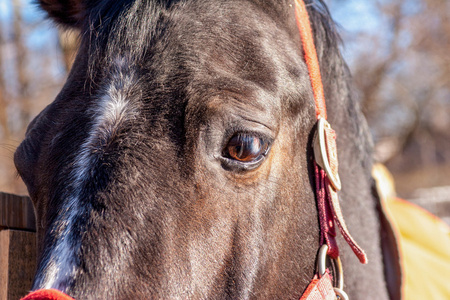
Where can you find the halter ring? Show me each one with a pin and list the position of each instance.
(341, 295)
(322, 268)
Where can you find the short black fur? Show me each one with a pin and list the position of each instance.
(125, 163)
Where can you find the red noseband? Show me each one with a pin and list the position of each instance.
(50, 294)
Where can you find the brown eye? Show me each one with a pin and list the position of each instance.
(246, 148)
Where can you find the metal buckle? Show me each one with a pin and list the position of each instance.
(322, 268)
(321, 153)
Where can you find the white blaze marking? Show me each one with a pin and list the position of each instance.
(112, 109)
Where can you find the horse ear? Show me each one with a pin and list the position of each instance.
(65, 12)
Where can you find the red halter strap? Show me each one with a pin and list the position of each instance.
(310, 53)
(326, 175)
(325, 152)
(326, 170)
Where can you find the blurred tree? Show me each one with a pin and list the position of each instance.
(401, 70)
(30, 77)
(5, 131)
(21, 63)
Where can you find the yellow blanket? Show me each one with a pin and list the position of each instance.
(425, 248)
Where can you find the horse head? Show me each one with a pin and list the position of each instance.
(176, 162)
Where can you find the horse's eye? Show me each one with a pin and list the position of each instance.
(246, 148)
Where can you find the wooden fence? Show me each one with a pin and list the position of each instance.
(17, 246)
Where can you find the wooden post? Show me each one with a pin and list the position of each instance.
(17, 246)
(17, 263)
(16, 212)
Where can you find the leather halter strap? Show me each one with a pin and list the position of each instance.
(327, 178)
(311, 60)
(326, 171)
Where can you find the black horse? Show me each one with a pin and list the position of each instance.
(176, 162)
